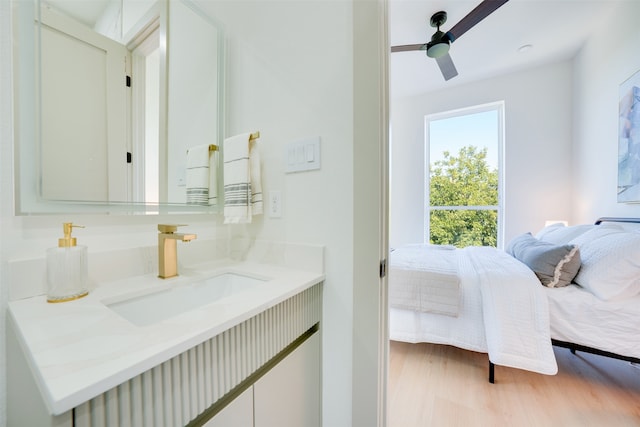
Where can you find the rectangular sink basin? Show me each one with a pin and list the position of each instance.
(157, 306)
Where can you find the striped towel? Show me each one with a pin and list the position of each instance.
(242, 184)
(202, 176)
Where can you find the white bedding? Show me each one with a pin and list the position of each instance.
(425, 278)
(503, 311)
(578, 317)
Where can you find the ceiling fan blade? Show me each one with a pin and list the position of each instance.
(408, 47)
(484, 9)
(447, 68)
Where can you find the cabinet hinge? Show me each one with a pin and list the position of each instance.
(383, 268)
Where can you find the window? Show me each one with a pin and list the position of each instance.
(464, 177)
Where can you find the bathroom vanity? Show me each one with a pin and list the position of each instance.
(249, 355)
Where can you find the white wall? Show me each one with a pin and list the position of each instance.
(6, 137)
(192, 98)
(537, 148)
(290, 73)
(600, 68)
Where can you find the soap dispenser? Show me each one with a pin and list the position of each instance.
(67, 268)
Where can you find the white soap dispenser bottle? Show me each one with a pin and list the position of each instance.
(67, 268)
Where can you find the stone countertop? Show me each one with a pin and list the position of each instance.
(80, 349)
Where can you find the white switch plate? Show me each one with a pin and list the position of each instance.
(302, 155)
(275, 204)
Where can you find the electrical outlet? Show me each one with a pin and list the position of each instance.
(275, 204)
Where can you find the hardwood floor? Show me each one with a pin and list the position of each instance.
(439, 385)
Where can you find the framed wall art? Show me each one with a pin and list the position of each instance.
(629, 140)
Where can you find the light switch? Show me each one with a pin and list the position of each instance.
(309, 151)
(302, 155)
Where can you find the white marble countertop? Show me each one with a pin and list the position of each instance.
(80, 349)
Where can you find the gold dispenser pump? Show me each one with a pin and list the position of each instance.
(67, 268)
(67, 241)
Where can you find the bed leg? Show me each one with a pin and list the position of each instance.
(491, 372)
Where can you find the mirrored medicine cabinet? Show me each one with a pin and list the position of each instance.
(109, 101)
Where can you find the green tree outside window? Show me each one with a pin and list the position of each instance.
(460, 181)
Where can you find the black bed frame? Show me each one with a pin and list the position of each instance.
(578, 347)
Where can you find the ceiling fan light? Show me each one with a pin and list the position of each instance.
(438, 49)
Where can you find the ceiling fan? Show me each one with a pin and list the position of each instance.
(438, 47)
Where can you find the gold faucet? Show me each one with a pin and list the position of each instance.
(167, 249)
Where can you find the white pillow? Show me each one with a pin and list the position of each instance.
(559, 234)
(548, 229)
(610, 263)
(596, 232)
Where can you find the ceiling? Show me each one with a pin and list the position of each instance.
(555, 29)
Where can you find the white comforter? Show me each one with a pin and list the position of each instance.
(503, 312)
(425, 278)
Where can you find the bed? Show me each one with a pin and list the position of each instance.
(576, 287)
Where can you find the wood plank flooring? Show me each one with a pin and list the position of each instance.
(439, 385)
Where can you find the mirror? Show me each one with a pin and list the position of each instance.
(124, 96)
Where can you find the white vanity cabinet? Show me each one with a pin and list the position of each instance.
(288, 395)
(263, 370)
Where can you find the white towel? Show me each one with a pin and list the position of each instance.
(242, 186)
(202, 180)
(213, 178)
(256, 182)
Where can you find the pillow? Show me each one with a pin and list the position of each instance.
(560, 234)
(554, 265)
(548, 228)
(610, 263)
(597, 232)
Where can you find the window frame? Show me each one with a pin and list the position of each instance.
(499, 107)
